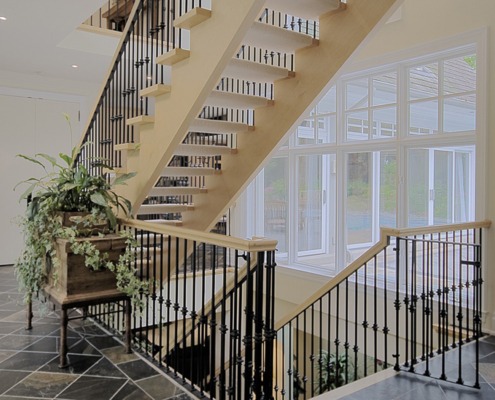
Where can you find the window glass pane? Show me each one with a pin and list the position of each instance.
(327, 129)
(460, 75)
(328, 104)
(385, 89)
(423, 81)
(356, 94)
(388, 189)
(417, 187)
(309, 204)
(276, 205)
(306, 132)
(462, 175)
(459, 114)
(359, 198)
(317, 211)
(442, 189)
(384, 122)
(423, 118)
(357, 125)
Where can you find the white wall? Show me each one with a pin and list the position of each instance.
(426, 24)
(29, 126)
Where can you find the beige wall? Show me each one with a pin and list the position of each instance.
(426, 24)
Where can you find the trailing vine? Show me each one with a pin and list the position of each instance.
(69, 186)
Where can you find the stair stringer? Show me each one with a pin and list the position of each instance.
(192, 80)
(341, 33)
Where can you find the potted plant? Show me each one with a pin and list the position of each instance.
(70, 222)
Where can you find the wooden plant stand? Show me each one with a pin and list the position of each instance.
(76, 286)
(83, 301)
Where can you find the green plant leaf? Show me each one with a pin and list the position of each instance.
(33, 160)
(48, 158)
(120, 180)
(99, 198)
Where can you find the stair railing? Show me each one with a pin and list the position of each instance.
(412, 301)
(208, 317)
(149, 32)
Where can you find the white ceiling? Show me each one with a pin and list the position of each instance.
(40, 37)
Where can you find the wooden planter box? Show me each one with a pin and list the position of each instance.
(74, 278)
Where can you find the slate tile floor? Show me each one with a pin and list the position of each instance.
(99, 368)
(408, 386)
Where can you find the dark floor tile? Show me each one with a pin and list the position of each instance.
(11, 297)
(18, 316)
(10, 378)
(78, 364)
(455, 392)
(131, 392)
(426, 389)
(487, 371)
(40, 384)
(4, 354)
(488, 338)
(70, 333)
(19, 398)
(49, 344)
(9, 327)
(87, 387)
(390, 388)
(105, 368)
(159, 387)
(118, 354)
(103, 342)
(138, 369)
(17, 342)
(38, 330)
(5, 288)
(83, 347)
(27, 361)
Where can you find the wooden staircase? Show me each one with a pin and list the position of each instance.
(233, 95)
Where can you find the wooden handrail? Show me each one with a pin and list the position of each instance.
(385, 235)
(253, 245)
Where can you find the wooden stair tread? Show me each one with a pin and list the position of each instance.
(155, 90)
(272, 37)
(173, 56)
(140, 120)
(190, 171)
(307, 9)
(218, 98)
(175, 191)
(203, 150)
(192, 18)
(217, 126)
(256, 72)
(163, 208)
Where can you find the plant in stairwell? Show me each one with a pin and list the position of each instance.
(330, 371)
(69, 202)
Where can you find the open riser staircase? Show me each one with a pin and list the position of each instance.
(201, 94)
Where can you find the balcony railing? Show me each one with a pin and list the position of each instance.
(207, 319)
(413, 296)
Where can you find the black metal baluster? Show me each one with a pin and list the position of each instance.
(375, 313)
(397, 302)
(213, 326)
(355, 348)
(365, 323)
(223, 327)
(184, 310)
(248, 337)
